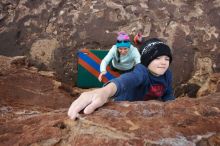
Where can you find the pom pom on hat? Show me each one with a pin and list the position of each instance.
(123, 36)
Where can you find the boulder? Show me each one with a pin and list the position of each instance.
(181, 122)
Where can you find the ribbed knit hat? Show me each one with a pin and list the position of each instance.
(152, 49)
(123, 40)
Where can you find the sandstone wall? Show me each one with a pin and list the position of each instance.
(51, 32)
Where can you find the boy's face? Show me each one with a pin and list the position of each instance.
(159, 65)
(123, 51)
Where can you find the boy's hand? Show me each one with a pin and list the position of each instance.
(89, 100)
(101, 74)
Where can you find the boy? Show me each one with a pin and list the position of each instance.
(149, 80)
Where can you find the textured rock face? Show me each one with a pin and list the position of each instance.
(33, 109)
(27, 86)
(184, 122)
(191, 28)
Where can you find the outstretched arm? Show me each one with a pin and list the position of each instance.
(107, 58)
(106, 61)
(91, 100)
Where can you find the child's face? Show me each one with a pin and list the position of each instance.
(159, 65)
(123, 51)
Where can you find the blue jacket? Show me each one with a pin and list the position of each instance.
(140, 84)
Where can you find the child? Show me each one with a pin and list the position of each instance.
(149, 80)
(123, 54)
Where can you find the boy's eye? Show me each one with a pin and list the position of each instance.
(167, 58)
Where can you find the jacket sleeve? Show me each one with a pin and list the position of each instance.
(169, 92)
(107, 58)
(129, 81)
(136, 54)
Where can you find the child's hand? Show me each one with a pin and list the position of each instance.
(101, 74)
(138, 39)
(89, 100)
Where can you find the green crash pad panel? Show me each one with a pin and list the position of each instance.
(89, 61)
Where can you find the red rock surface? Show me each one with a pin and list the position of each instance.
(33, 111)
(182, 122)
(33, 104)
(23, 87)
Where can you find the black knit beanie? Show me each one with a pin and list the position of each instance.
(152, 49)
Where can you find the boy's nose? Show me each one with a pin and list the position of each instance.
(164, 61)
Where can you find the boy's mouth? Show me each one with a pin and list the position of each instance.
(161, 67)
